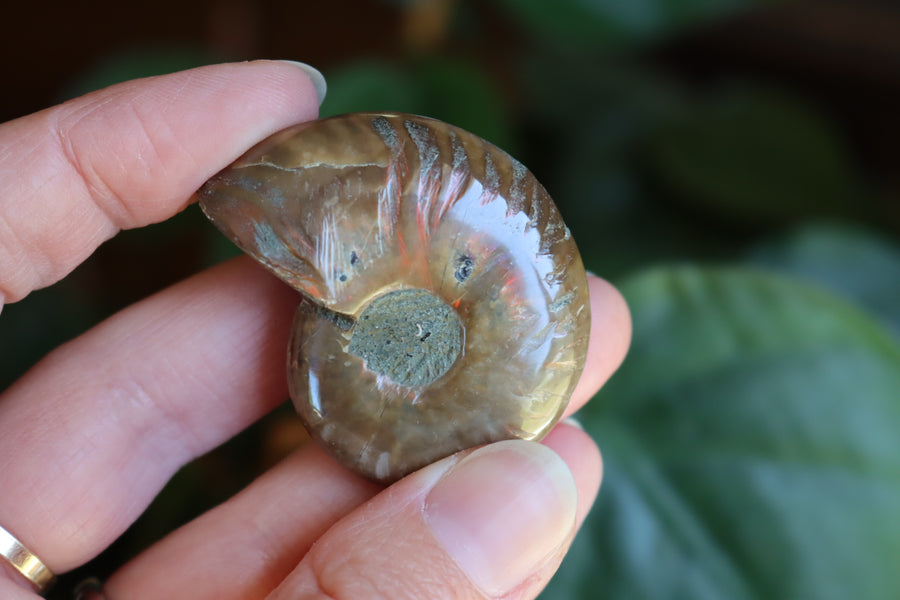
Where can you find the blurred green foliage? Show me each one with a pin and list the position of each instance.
(751, 438)
(750, 446)
(755, 155)
(603, 24)
(458, 90)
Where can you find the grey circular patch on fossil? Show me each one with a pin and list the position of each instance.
(411, 336)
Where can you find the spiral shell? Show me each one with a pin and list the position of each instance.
(444, 305)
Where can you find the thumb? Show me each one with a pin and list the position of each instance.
(493, 523)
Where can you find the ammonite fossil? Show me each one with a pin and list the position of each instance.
(444, 303)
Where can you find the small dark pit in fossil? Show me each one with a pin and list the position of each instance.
(464, 267)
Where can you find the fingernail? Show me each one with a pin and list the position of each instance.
(315, 76)
(502, 511)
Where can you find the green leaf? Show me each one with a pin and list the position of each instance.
(461, 93)
(750, 446)
(758, 156)
(371, 86)
(453, 91)
(606, 23)
(849, 261)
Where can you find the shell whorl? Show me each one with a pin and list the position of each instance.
(350, 209)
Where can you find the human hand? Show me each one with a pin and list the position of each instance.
(91, 434)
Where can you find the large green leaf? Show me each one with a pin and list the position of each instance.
(852, 262)
(751, 448)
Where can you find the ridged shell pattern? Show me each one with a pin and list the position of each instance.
(351, 208)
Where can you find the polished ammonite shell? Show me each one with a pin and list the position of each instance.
(444, 305)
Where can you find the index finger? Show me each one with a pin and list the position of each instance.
(129, 155)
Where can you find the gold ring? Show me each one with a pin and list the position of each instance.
(25, 562)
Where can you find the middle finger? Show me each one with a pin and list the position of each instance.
(91, 434)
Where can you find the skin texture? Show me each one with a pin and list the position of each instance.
(91, 434)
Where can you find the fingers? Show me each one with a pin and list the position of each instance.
(136, 398)
(10, 589)
(479, 526)
(91, 434)
(259, 533)
(494, 523)
(264, 531)
(132, 154)
(610, 338)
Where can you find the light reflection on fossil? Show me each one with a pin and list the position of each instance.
(350, 209)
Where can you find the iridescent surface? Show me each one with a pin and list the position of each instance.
(351, 208)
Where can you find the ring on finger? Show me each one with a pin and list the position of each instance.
(25, 562)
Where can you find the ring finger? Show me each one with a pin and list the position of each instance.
(107, 418)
